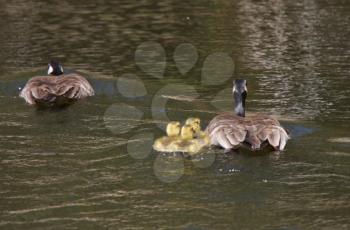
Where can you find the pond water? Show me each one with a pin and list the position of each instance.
(91, 166)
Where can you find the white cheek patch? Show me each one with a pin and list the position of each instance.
(61, 69)
(50, 70)
(234, 88)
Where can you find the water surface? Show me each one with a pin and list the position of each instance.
(70, 169)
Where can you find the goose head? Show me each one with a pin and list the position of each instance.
(173, 129)
(54, 68)
(187, 132)
(239, 94)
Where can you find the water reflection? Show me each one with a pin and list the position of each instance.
(285, 40)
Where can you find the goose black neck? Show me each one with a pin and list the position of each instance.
(239, 106)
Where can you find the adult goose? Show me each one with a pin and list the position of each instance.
(56, 89)
(230, 130)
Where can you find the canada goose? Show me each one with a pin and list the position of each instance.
(195, 123)
(173, 134)
(187, 142)
(230, 130)
(180, 141)
(56, 89)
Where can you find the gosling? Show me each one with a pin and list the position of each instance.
(173, 134)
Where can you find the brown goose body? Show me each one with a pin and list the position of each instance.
(230, 131)
(57, 88)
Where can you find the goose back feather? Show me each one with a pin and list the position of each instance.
(230, 131)
(61, 89)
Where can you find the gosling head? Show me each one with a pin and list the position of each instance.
(187, 132)
(54, 68)
(173, 128)
(195, 123)
(239, 94)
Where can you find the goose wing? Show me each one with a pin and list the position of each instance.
(277, 136)
(227, 131)
(266, 128)
(48, 88)
(73, 86)
(37, 88)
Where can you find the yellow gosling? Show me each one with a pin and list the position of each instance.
(187, 132)
(184, 143)
(190, 139)
(173, 131)
(195, 123)
(187, 143)
(199, 134)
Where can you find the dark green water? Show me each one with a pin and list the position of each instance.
(90, 166)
